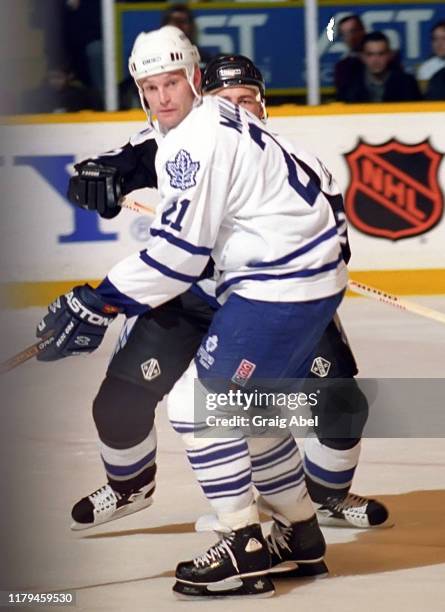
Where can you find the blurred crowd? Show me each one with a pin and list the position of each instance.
(370, 71)
(72, 34)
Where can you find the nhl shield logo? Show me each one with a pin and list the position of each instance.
(320, 367)
(151, 369)
(394, 189)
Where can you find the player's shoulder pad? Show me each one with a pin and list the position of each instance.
(144, 136)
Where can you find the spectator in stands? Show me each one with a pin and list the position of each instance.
(379, 80)
(181, 16)
(436, 86)
(59, 93)
(352, 31)
(82, 33)
(435, 63)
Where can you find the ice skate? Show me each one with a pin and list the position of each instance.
(106, 504)
(353, 511)
(236, 566)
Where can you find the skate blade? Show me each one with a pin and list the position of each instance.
(257, 587)
(326, 521)
(315, 570)
(120, 513)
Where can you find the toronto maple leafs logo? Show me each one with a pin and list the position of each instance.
(182, 171)
(212, 343)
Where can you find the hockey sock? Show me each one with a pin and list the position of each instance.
(222, 468)
(240, 518)
(221, 465)
(278, 475)
(329, 471)
(131, 468)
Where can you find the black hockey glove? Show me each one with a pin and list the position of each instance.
(78, 322)
(96, 187)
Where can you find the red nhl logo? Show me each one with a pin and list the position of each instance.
(394, 190)
(243, 372)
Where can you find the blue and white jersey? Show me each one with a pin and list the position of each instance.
(232, 190)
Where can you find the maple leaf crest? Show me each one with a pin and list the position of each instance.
(182, 171)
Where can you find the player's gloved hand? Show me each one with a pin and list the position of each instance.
(96, 187)
(78, 321)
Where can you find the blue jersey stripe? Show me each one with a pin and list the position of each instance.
(182, 244)
(266, 277)
(165, 270)
(111, 294)
(301, 251)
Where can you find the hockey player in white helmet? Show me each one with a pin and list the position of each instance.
(131, 483)
(231, 189)
(166, 54)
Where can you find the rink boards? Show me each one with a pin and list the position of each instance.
(387, 159)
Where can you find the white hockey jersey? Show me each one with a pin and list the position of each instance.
(231, 189)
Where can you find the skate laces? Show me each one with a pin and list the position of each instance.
(279, 538)
(350, 502)
(215, 553)
(105, 498)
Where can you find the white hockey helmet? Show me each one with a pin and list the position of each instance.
(163, 50)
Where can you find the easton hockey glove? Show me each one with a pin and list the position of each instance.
(78, 321)
(96, 187)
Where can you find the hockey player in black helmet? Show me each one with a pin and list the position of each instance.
(237, 79)
(233, 71)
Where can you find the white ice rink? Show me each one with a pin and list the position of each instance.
(49, 459)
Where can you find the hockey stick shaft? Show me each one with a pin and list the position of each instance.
(396, 301)
(356, 287)
(27, 353)
(137, 207)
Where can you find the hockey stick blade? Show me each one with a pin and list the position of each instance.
(27, 353)
(396, 301)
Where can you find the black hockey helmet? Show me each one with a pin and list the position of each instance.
(230, 71)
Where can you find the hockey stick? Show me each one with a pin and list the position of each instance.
(33, 350)
(136, 206)
(27, 353)
(397, 302)
(356, 287)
